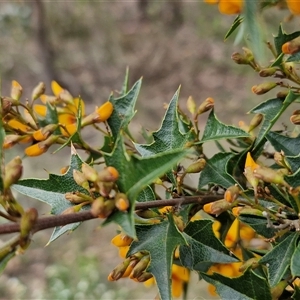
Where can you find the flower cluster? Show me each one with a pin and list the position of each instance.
(53, 121)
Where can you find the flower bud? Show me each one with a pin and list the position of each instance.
(101, 114)
(191, 105)
(239, 59)
(11, 140)
(97, 206)
(206, 105)
(282, 94)
(267, 72)
(121, 240)
(104, 188)
(256, 120)
(89, 172)
(66, 97)
(269, 175)
(76, 197)
(27, 222)
(144, 277)
(295, 119)
(179, 223)
(119, 270)
(121, 202)
(13, 172)
(80, 179)
(246, 210)
(140, 267)
(197, 166)
(292, 46)
(43, 133)
(217, 207)
(147, 214)
(263, 88)
(232, 193)
(38, 91)
(74, 209)
(6, 106)
(280, 160)
(250, 167)
(109, 174)
(41, 147)
(18, 126)
(16, 90)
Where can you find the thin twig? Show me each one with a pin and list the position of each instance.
(61, 220)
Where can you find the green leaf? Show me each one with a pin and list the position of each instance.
(216, 130)
(160, 241)
(294, 57)
(147, 194)
(282, 38)
(253, 25)
(249, 286)
(272, 110)
(290, 146)
(215, 171)
(293, 180)
(295, 262)
(296, 294)
(168, 137)
(278, 259)
(203, 246)
(52, 191)
(123, 110)
(236, 23)
(294, 162)
(5, 259)
(125, 83)
(136, 172)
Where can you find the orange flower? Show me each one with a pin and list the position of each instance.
(228, 7)
(294, 6)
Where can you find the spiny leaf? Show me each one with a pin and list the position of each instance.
(278, 259)
(203, 246)
(236, 23)
(272, 110)
(169, 136)
(50, 118)
(136, 172)
(2, 166)
(123, 110)
(215, 171)
(294, 57)
(216, 130)
(246, 287)
(52, 191)
(295, 262)
(160, 241)
(290, 146)
(282, 38)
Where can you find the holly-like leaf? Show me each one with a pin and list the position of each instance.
(290, 146)
(249, 286)
(278, 259)
(236, 23)
(137, 172)
(294, 57)
(203, 246)
(293, 180)
(215, 171)
(294, 162)
(295, 262)
(123, 110)
(147, 194)
(52, 191)
(216, 130)
(282, 38)
(272, 110)
(169, 136)
(160, 241)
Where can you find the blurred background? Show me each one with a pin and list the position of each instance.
(86, 47)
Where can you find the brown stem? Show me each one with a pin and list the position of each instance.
(61, 220)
